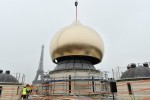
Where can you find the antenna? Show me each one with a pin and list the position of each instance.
(76, 4)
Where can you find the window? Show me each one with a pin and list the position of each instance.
(69, 84)
(0, 90)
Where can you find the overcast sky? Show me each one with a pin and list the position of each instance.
(25, 25)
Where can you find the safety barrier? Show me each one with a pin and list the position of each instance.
(38, 92)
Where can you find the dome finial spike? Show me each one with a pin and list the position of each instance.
(76, 4)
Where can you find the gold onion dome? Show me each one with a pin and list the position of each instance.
(77, 40)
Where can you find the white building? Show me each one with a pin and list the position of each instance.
(139, 79)
(9, 86)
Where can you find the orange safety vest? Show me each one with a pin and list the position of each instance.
(31, 87)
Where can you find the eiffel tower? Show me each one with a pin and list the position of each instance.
(40, 71)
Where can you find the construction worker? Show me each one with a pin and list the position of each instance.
(24, 93)
(31, 87)
(28, 90)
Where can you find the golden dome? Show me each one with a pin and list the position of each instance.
(77, 40)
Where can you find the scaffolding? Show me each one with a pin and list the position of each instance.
(76, 86)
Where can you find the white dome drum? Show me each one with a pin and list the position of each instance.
(77, 40)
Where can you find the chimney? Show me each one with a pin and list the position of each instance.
(128, 67)
(133, 65)
(7, 72)
(145, 65)
(1, 71)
